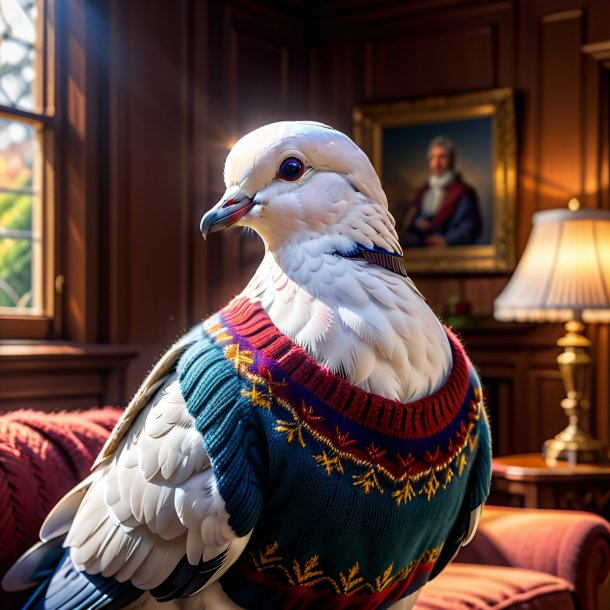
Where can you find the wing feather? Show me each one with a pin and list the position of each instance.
(155, 379)
(155, 504)
(58, 521)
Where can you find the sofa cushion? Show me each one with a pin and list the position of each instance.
(477, 587)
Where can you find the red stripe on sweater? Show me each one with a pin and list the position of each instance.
(416, 419)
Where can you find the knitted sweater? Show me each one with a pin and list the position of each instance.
(351, 496)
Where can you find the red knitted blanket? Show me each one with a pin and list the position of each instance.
(42, 456)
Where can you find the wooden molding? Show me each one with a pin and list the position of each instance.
(62, 375)
(599, 51)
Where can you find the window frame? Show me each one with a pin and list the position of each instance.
(46, 324)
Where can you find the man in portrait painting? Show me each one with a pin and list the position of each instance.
(445, 211)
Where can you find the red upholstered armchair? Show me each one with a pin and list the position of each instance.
(528, 559)
(519, 559)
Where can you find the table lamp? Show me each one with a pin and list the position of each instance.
(564, 276)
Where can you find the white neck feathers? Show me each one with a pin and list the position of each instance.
(359, 320)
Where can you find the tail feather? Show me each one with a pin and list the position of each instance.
(34, 566)
(69, 589)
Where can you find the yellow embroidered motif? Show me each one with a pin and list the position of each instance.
(309, 573)
(259, 399)
(268, 555)
(404, 494)
(241, 359)
(381, 582)
(430, 487)
(352, 580)
(368, 481)
(448, 477)
(472, 441)
(291, 430)
(330, 464)
(462, 461)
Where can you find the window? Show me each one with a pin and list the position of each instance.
(26, 123)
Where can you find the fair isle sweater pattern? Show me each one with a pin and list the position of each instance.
(272, 417)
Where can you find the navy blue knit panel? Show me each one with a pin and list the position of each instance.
(212, 390)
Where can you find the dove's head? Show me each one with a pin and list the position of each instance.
(304, 182)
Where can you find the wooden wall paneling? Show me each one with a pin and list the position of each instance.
(158, 107)
(511, 359)
(78, 196)
(436, 292)
(213, 134)
(442, 52)
(560, 108)
(500, 401)
(593, 133)
(596, 194)
(529, 130)
(416, 64)
(115, 256)
(545, 392)
(598, 21)
(481, 292)
(597, 122)
(546, 417)
(203, 158)
(264, 79)
(267, 67)
(602, 377)
(600, 417)
(413, 49)
(499, 382)
(333, 76)
(604, 129)
(322, 82)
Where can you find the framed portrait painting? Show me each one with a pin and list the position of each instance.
(447, 165)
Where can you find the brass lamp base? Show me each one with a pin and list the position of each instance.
(574, 444)
(574, 447)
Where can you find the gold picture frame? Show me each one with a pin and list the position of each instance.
(481, 127)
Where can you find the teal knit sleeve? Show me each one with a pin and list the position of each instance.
(481, 473)
(212, 390)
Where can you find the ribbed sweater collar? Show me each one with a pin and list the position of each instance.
(416, 419)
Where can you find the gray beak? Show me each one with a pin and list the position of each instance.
(232, 206)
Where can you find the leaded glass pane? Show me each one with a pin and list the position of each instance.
(19, 231)
(18, 66)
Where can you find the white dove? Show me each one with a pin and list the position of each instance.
(320, 442)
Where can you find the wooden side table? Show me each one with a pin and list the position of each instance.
(527, 481)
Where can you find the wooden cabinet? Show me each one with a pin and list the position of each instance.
(526, 481)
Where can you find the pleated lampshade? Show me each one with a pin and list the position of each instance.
(564, 273)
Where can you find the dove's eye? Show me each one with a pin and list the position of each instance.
(291, 169)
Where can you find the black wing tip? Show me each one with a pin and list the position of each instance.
(187, 578)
